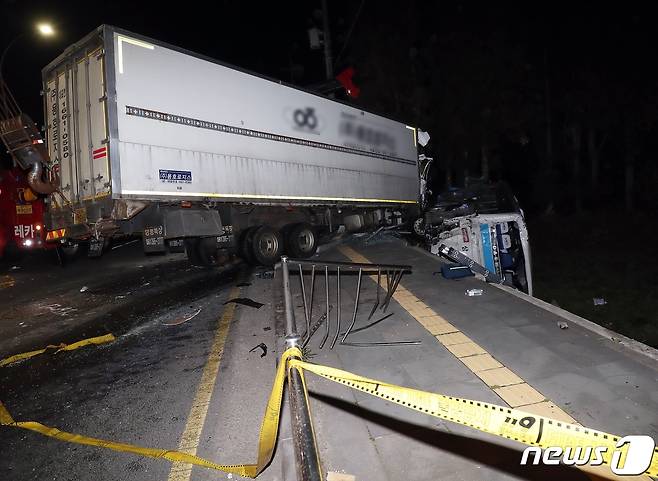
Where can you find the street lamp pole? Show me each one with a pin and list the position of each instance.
(4, 52)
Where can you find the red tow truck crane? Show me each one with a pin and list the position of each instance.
(26, 183)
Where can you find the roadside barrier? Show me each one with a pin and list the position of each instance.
(502, 421)
(58, 348)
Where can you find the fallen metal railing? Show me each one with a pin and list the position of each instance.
(307, 460)
(391, 273)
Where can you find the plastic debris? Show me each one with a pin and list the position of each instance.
(474, 292)
(260, 346)
(599, 301)
(182, 319)
(562, 325)
(84, 289)
(15, 268)
(245, 301)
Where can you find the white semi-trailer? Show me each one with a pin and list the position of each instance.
(150, 139)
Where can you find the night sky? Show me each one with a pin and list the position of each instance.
(564, 91)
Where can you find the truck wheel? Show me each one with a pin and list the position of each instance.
(246, 245)
(301, 241)
(209, 254)
(67, 253)
(419, 227)
(192, 251)
(267, 245)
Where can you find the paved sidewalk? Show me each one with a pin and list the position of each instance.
(500, 349)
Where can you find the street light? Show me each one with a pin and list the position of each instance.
(45, 29)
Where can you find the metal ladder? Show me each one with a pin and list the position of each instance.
(17, 131)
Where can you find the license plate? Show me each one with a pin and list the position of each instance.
(96, 247)
(24, 209)
(176, 245)
(153, 239)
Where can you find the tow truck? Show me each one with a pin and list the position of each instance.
(21, 215)
(25, 183)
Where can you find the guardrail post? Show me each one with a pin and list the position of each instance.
(307, 461)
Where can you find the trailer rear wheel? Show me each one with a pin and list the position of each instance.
(208, 253)
(192, 251)
(302, 241)
(267, 245)
(246, 245)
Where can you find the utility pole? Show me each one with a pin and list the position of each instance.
(328, 60)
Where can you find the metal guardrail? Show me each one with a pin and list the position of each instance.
(307, 461)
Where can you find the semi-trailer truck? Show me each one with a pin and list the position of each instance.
(193, 154)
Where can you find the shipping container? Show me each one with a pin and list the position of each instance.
(147, 135)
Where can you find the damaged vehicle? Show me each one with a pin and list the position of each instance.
(485, 225)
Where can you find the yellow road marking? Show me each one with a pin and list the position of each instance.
(189, 441)
(520, 395)
(498, 377)
(478, 360)
(481, 362)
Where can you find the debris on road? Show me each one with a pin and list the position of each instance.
(125, 244)
(15, 268)
(245, 301)
(599, 301)
(243, 284)
(562, 325)
(336, 476)
(455, 271)
(7, 281)
(261, 346)
(180, 320)
(84, 289)
(60, 310)
(265, 275)
(474, 292)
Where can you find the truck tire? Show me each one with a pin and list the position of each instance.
(68, 253)
(419, 227)
(246, 245)
(208, 253)
(192, 251)
(267, 245)
(301, 241)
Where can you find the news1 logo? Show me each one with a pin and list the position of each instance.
(638, 456)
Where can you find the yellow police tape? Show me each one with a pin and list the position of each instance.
(59, 347)
(502, 421)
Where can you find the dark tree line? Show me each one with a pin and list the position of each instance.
(562, 103)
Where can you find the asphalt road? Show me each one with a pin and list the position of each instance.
(143, 387)
(201, 386)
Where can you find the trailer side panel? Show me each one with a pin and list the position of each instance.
(189, 128)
